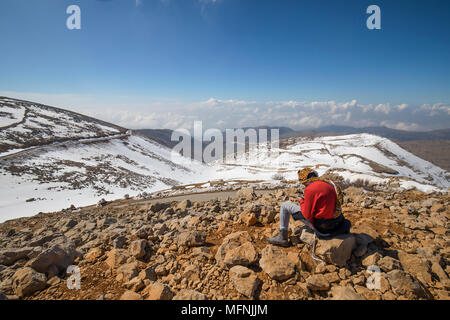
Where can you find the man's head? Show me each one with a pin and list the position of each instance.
(306, 174)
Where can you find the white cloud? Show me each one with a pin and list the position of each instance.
(140, 112)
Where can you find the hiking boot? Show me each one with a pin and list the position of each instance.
(280, 239)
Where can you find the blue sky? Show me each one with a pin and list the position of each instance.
(166, 62)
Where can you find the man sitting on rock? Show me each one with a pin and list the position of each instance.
(320, 209)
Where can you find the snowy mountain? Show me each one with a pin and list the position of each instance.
(52, 158)
(357, 156)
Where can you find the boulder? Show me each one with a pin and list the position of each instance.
(345, 293)
(127, 271)
(246, 193)
(245, 281)
(115, 258)
(188, 294)
(130, 295)
(388, 264)
(27, 281)
(230, 242)
(244, 255)
(317, 282)
(337, 250)
(183, 205)
(276, 264)
(404, 284)
(57, 255)
(191, 238)
(416, 266)
(138, 248)
(93, 255)
(158, 291)
(10, 255)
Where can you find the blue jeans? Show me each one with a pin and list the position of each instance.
(287, 210)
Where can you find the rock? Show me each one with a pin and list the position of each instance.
(134, 284)
(191, 238)
(388, 263)
(93, 254)
(10, 255)
(345, 293)
(188, 294)
(119, 242)
(245, 281)
(138, 248)
(115, 258)
(276, 264)
(247, 193)
(3, 297)
(249, 219)
(229, 243)
(130, 295)
(317, 282)
(58, 255)
(337, 250)
(416, 266)
(244, 255)
(127, 272)
(404, 284)
(27, 281)
(158, 291)
(307, 237)
(183, 205)
(371, 259)
(101, 203)
(148, 274)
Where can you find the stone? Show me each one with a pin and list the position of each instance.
(115, 258)
(189, 294)
(371, 259)
(317, 282)
(27, 281)
(127, 272)
(3, 297)
(130, 295)
(388, 263)
(191, 238)
(338, 250)
(307, 237)
(416, 266)
(245, 281)
(404, 284)
(93, 254)
(231, 242)
(58, 255)
(345, 293)
(119, 242)
(10, 255)
(138, 248)
(276, 264)
(158, 291)
(246, 193)
(244, 255)
(183, 205)
(148, 274)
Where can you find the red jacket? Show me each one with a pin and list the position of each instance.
(319, 201)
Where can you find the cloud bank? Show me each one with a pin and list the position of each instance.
(140, 113)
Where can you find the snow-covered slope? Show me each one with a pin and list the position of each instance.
(26, 124)
(358, 156)
(80, 173)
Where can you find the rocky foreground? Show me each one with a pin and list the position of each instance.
(217, 250)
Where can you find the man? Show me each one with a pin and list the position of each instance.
(320, 209)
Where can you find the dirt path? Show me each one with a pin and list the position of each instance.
(201, 196)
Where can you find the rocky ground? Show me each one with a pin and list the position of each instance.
(216, 249)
